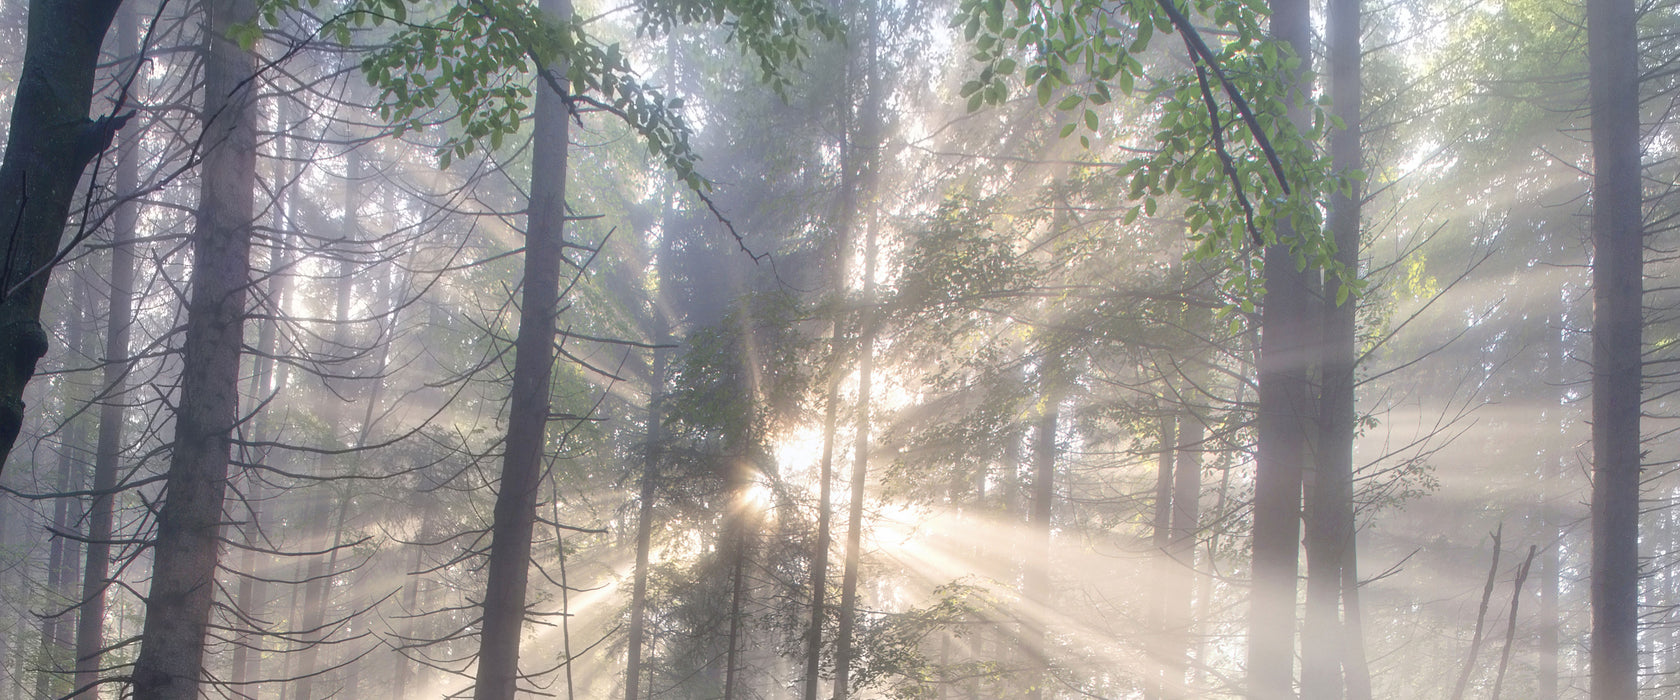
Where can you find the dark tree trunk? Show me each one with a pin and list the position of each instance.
(1186, 514)
(1330, 648)
(50, 144)
(1551, 522)
(1618, 266)
(825, 519)
(644, 518)
(1036, 582)
(1160, 535)
(90, 627)
(57, 644)
(843, 652)
(1285, 413)
(171, 660)
(528, 405)
(864, 160)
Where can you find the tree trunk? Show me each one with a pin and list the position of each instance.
(1036, 582)
(1343, 643)
(1186, 514)
(825, 519)
(644, 519)
(171, 659)
(90, 626)
(50, 144)
(1285, 413)
(65, 550)
(860, 467)
(528, 404)
(1618, 266)
(1160, 530)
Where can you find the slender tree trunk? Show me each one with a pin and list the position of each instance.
(403, 669)
(1511, 621)
(1618, 268)
(528, 405)
(1343, 639)
(860, 468)
(1481, 617)
(1186, 514)
(863, 160)
(65, 551)
(49, 145)
(90, 626)
(644, 519)
(322, 567)
(655, 451)
(1285, 413)
(171, 660)
(1160, 537)
(1551, 532)
(825, 519)
(1036, 582)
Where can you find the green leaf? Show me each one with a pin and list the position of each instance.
(1069, 102)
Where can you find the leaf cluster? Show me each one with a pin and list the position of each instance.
(1236, 136)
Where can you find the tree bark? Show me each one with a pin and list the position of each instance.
(1331, 659)
(65, 552)
(644, 520)
(528, 405)
(50, 144)
(1618, 267)
(843, 652)
(1160, 537)
(1186, 524)
(1481, 617)
(1285, 414)
(90, 626)
(171, 660)
(1036, 582)
(1511, 621)
(825, 515)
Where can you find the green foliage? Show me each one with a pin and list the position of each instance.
(476, 61)
(1240, 183)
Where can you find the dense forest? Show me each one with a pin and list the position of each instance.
(740, 349)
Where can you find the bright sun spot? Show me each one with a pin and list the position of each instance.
(757, 497)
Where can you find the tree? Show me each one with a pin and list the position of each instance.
(90, 626)
(1332, 657)
(1617, 279)
(188, 540)
(50, 143)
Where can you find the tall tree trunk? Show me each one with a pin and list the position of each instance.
(1036, 582)
(843, 652)
(171, 659)
(49, 145)
(847, 217)
(528, 404)
(825, 520)
(1551, 522)
(1285, 413)
(1160, 531)
(644, 519)
(322, 567)
(1339, 642)
(90, 626)
(1618, 268)
(863, 159)
(655, 450)
(1186, 514)
(65, 551)
(267, 379)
